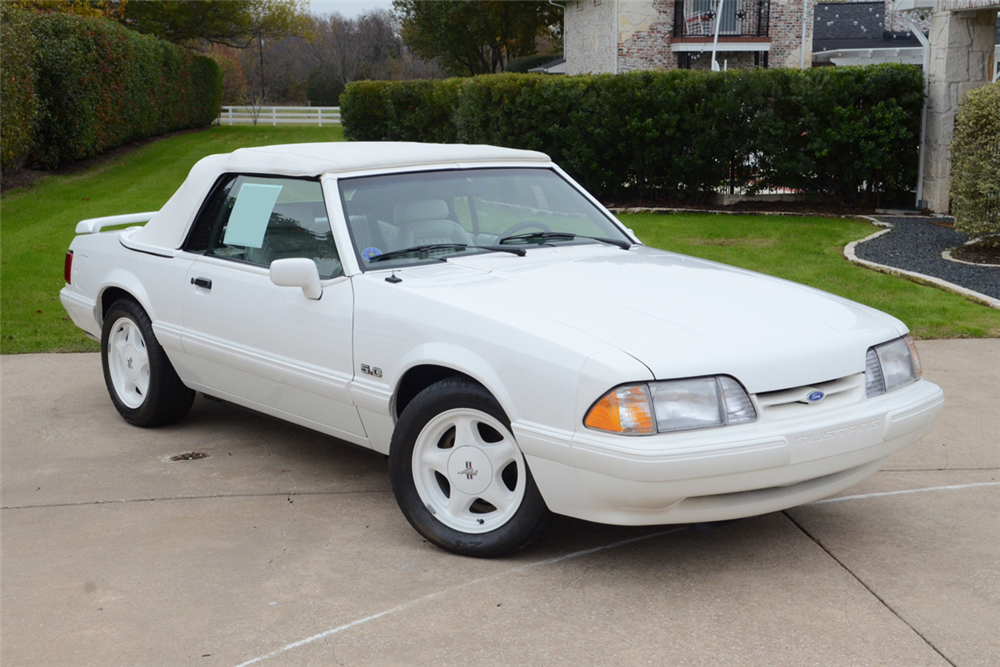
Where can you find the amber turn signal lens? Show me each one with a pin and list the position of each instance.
(625, 410)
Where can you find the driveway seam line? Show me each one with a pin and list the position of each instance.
(431, 596)
(937, 469)
(220, 495)
(899, 492)
(868, 588)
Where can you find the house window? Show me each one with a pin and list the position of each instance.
(699, 17)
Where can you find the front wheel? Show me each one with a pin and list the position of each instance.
(142, 383)
(458, 475)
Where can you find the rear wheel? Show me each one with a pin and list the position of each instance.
(142, 383)
(458, 474)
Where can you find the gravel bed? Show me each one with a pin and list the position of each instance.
(915, 244)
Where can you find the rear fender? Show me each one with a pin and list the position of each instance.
(126, 281)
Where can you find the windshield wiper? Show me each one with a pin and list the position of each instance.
(532, 236)
(418, 249)
(520, 252)
(446, 246)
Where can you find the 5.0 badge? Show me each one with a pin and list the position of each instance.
(370, 370)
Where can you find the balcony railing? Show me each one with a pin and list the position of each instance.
(740, 18)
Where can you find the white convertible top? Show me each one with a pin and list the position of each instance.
(168, 227)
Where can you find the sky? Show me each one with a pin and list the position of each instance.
(349, 8)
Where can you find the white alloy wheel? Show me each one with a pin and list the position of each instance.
(128, 362)
(468, 470)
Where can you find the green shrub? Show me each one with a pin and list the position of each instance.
(101, 85)
(975, 163)
(417, 110)
(18, 99)
(850, 133)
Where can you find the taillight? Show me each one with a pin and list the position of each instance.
(68, 267)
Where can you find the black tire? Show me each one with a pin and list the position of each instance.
(156, 396)
(519, 514)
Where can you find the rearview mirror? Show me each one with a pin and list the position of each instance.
(297, 272)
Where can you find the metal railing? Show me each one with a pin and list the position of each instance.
(740, 18)
(280, 116)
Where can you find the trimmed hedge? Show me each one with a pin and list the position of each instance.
(851, 133)
(975, 163)
(102, 85)
(18, 99)
(415, 110)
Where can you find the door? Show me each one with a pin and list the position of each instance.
(261, 345)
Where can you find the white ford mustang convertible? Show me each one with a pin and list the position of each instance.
(475, 315)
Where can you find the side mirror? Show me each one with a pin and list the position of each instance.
(297, 272)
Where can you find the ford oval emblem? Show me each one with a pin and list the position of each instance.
(815, 397)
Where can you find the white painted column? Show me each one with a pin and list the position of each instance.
(961, 56)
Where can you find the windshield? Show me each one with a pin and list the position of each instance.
(417, 218)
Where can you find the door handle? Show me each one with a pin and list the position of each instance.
(202, 282)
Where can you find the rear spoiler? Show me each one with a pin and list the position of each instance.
(94, 225)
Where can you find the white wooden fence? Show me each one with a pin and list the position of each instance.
(281, 115)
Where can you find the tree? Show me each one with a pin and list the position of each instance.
(192, 22)
(366, 47)
(108, 9)
(274, 19)
(475, 37)
(236, 23)
(347, 49)
(234, 78)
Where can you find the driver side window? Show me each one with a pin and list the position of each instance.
(257, 220)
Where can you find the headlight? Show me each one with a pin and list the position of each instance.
(676, 405)
(891, 365)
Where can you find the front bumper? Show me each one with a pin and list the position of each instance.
(723, 473)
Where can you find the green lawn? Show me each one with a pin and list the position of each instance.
(37, 225)
(811, 251)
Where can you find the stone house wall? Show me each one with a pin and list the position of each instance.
(785, 31)
(645, 30)
(589, 36)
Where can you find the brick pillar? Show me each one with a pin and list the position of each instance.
(961, 54)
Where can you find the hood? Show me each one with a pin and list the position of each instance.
(680, 316)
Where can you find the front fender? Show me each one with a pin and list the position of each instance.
(462, 360)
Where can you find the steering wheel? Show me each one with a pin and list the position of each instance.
(524, 224)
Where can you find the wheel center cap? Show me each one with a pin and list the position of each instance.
(131, 361)
(469, 470)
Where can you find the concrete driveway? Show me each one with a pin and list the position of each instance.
(285, 547)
